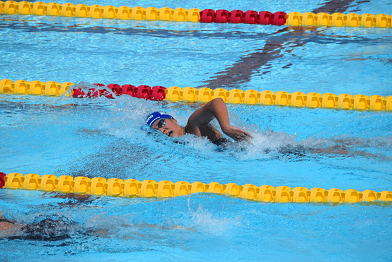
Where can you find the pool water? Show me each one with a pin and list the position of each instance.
(290, 146)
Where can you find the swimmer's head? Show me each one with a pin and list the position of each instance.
(165, 123)
(156, 116)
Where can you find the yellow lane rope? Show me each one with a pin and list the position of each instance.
(233, 96)
(193, 15)
(116, 187)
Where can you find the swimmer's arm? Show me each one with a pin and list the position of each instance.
(6, 225)
(217, 108)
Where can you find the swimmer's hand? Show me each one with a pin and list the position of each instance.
(236, 133)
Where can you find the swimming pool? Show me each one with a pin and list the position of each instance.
(102, 137)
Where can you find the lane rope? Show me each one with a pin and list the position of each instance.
(202, 95)
(116, 187)
(195, 15)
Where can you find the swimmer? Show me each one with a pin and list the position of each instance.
(199, 124)
(49, 229)
(60, 228)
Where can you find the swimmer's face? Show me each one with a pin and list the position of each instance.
(167, 127)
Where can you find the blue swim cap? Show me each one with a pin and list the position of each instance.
(153, 117)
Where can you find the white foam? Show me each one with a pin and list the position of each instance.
(206, 222)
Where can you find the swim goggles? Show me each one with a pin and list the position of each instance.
(162, 122)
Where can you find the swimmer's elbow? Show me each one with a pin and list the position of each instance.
(218, 100)
(216, 104)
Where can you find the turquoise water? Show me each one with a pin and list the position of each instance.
(101, 137)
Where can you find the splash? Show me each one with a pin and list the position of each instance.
(206, 222)
(266, 144)
(127, 116)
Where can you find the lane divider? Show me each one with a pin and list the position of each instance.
(338, 20)
(22, 87)
(282, 98)
(116, 187)
(202, 95)
(196, 15)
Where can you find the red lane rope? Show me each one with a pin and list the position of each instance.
(2, 180)
(238, 16)
(155, 93)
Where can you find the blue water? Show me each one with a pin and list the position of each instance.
(102, 138)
